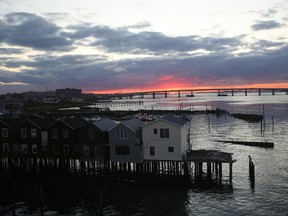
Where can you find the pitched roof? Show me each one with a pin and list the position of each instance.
(13, 122)
(171, 119)
(43, 123)
(134, 123)
(75, 122)
(105, 124)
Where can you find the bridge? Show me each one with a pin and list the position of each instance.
(190, 92)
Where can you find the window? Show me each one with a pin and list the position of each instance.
(4, 132)
(155, 131)
(33, 132)
(66, 149)
(65, 133)
(122, 150)
(152, 150)
(86, 150)
(55, 149)
(5, 147)
(55, 133)
(23, 133)
(170, 149)
(164, 133)
(34, 149)
(24, 148)
(121, 133)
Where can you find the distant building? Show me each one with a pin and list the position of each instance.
(68, 93)
(13, 108)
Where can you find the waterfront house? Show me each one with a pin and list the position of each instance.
(165, 139)
(7, 136)
(102, 151)
(125, 142)
(31, 138)
(68, 137)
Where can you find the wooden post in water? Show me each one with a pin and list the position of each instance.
(209, 171)
(230, 172)
(251, 171)
(220, 172)
(42, 201)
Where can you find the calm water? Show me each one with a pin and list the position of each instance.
(78, 196)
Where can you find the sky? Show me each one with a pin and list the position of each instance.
(111, 46)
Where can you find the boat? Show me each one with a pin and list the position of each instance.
(222, 94)
(190, 95)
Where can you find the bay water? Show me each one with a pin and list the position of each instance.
(269, 196)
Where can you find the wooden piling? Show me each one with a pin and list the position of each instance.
(251, 170)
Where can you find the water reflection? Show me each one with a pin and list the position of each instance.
(76, 195)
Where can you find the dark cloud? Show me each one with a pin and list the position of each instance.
(30, 30)
(122, 40)
(265, 25)
(90, 75)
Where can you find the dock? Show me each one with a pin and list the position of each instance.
(214, 160)
(250, 143)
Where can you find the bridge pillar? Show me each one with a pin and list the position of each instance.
(192, 93)
(165, 94)
(153, 95)
(179, 94)
(245, 92)
(286, 92)
(142, 96)
(232, 92)
(273, 92)
(259, 92)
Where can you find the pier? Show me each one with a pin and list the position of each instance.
(117, 103)
(190, 170)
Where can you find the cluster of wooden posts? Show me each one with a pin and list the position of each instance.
(187, 170)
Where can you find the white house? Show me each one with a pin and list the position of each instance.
(165, 139)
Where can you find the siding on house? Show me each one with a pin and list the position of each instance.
(165, 139)
(7, 136)
(65, 137)
(29, 139)
(102, 136)
(125, 142)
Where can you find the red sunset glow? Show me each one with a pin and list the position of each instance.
(180, 86)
